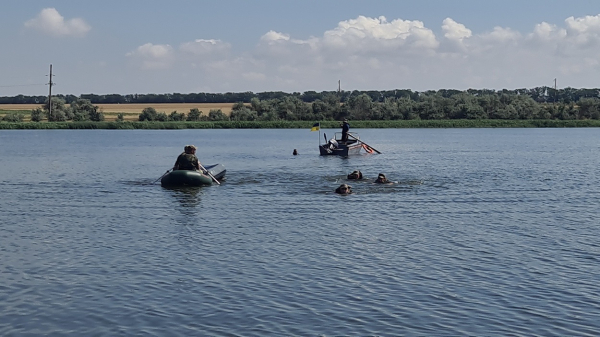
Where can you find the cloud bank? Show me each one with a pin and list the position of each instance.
(50, 22)
(376, 53)
(368, 53)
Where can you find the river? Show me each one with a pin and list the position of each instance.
(484, 232)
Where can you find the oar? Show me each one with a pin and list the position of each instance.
(374, 149)
(210, 174)
(169, 170)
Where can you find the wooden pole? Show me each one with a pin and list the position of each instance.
(555, 92)
(50, 95)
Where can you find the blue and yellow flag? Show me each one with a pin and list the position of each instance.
(316, 127)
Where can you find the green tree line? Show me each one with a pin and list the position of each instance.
(539, 95)
(425, 106)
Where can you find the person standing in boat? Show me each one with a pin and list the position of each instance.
(187, 160)
(345, 130)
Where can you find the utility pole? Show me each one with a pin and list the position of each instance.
(555, 91)
(339, 86)
(50, 83)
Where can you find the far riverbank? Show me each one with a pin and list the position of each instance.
(399, 124)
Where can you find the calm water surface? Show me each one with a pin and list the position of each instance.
(485, 232)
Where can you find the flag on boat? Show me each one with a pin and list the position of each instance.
(316, 127)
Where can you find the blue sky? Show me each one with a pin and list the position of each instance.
(185, 46)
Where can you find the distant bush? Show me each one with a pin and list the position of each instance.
(83, 110)
(148, 114)
(194, 115)
(13, 117)
(175, 117)
(56, 111)
(217, 115)
(243, 114)
(37, 115)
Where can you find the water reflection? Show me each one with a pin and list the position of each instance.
(187, 205)
(188, 197)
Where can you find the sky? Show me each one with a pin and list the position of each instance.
(190, 46)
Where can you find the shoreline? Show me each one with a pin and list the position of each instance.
(384, 124)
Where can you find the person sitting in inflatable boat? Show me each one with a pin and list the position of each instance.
(187, 160)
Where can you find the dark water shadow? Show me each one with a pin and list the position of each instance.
(188, 197)
(186, 210)
(141, 182)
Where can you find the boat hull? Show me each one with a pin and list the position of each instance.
(193, 178)
(341, 150)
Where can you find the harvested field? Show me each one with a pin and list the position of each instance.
(132, 111)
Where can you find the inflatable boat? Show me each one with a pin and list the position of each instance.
(193, 178)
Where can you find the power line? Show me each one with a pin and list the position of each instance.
(21, 85)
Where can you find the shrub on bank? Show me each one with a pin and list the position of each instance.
(13, 117)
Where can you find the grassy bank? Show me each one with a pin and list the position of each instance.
(460, 123)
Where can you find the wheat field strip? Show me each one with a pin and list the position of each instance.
(136, 108)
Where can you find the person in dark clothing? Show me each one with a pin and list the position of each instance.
(355, 175)
(345, 130)
(381, 179)
(187, 160)
(344, 189)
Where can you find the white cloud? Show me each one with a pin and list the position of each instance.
(153, 56)
(273, 36)
(364, 33)
(454, 30)
(580, 39)
(583, 32)
(203, 47)
(586, 24)
(547, 32)
(50, 22)
(456, 39)
(501, 35)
